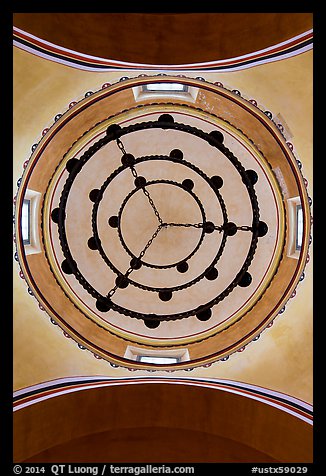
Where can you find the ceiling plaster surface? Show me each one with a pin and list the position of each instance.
(282, 358)
(172, 208)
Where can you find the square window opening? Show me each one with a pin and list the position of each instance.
(165, 88)
(299, 228)
(26, 222)
(150, 359)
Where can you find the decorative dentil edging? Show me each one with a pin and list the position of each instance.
(219, 84)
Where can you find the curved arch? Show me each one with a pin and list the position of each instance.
(151, 38)
(56, 416)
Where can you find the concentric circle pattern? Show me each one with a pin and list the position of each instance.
(123, 279)
(163, 226)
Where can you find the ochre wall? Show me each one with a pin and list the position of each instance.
(282, 358)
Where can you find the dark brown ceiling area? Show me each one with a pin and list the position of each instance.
(152, 423)
(164, 38)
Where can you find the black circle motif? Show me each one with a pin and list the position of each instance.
(123, 279)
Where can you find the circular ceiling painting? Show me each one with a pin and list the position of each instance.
(165, 229)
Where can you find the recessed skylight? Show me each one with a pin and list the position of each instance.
(299, 227)
(25, 222)
(165, 87)
(149, 359)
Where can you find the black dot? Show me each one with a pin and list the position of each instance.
(217, 181)
(93, 194)
(204, 315)
(209, 227)
(245, 280)
(230, 228)
(135, 263)
(262, 228)
(67, 267)
(55, 215)
(182, 267)
(113, 129)
(121, 281)
(165, 295)
(211, 274)
(166, 118)
(188, 184)
(140, 181)
(114, 221)
(152, 324)
(176, 154)
(92, 243)
(103, 305)
(128, 160)
(252, 176)
(217, 135)
(71, 164)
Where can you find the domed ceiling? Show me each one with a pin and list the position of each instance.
(164, 229)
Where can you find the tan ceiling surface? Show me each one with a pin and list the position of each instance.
(282, 357)
(173, 244)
